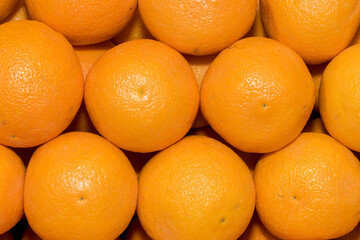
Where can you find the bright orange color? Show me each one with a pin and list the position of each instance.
(198, 189)
(6, 7)
(257, 231)
(257, 29)
(317, 30)
(83, 22)
(142, 95)
(309, 189)
(199, 65)
(257, 94)
(135, 29)
(353, 235)
(79, 186)
(316, 73)
(6, 236)
(356, 38)
(81, 122)
(19, 13)
(315, 125)
(339, 97)
(198, 27)
(12, 175)
(250, 159)
(41, 83)
(136, 231)
(90, 53)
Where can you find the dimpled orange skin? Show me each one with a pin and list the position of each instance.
(339, 97)
(12, 175)
(83, 22)
(316, 73)
(196, 189)
(142, 95)
(317, 30)
(79, 186)
(198, 27)
(41, 83)
(6, 7)
(257, 94)
(309, 189)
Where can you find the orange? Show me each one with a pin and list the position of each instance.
(356, 38)
(83, 22)
(29, 234)
(309, 189)
(90, 53)
(198, 27)
(142, 95)
(6, 236)
(197, 188)
(41, 83)
(253, 105)
(339, 98)
(316, 73)
(136, 231)
(199, 65)
(12, 175)
(257, 29)
(79, 186)
(317, 30)
(353, 235)
(250, 159)
(257, 231)
(6, 6)
(135, 29)
(19, 13)
(315, 125)
(25, 154)
(81, 122)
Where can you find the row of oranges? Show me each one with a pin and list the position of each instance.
(143, 97)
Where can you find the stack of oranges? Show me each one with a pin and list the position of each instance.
(189, 119)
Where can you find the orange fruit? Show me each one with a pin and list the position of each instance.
(198, 27)
(19, 13)
(316, 73)
(257, 29)
(353, 235)
(317, 30)
(257, 231)
(6, 7)
(339, 98)
(250, 159)
(76, 182)
(41, 83)
(136, 231)
(81, 122)
(356, 38)
(197, 188)
(83, 22)
(253, 105)
(309, 189)
(6, 236)
(142, 95)
(135, 29)
(12, 175)
(199, 65)
(90, 53)
(315, 125)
